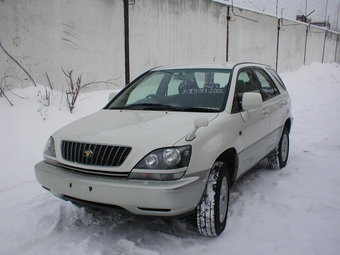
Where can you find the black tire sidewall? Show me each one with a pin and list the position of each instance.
(207, 212)
(283, 161)
(219, 226)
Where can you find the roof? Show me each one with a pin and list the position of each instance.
(211, 65)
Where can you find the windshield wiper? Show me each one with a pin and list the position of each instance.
(195, 109)
(162, 107)
(145, 106)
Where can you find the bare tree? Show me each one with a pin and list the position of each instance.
(73, 90)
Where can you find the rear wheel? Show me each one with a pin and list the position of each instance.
(283, 149)
(279, 157)
(211, 212)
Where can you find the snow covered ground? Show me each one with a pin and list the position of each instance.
(295, 210)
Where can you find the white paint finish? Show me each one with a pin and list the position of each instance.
(253, 37)
(45, 36)
(149, 131)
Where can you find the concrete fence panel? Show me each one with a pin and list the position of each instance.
(337, 49)
(252, 37)
(314, 45)
(330, 48)
(292, 44)
(45, 36)
(176, 31)
(116, 40)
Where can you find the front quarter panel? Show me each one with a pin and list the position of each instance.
(220, 135)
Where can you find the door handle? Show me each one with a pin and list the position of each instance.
(283, 102)
(265, 112)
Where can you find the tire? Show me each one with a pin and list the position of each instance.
(283, 149)
(211, 212)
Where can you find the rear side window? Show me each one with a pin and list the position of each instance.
(277, 78)
(268, 87)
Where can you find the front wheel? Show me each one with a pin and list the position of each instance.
(211, 212)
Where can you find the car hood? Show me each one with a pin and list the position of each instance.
(144, 131)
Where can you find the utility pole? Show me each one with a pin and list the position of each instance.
(337, 18)
(326, 11)
(127, 41)
(277, 1)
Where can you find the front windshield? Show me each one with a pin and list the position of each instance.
(176, 90)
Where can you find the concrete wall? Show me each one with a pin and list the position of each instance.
(337, 58)
(315, 42)
(291, 45)
(252, 37)
(45, 36)
(330, 47)
(176, 31)
(87, 36)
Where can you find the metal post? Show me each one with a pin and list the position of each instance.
(277, 45)
(324, 46)
(227, 44)
(127, 41)
(306, 40)
(277, 5)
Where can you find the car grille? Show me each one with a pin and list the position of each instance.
(95, 172)
(94, 154)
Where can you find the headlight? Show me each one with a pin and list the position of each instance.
(49, 152)
(151, 161)
(171, 157)
(163, 164)
(166, 158)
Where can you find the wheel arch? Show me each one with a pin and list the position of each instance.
(230, 158)
(288, 124)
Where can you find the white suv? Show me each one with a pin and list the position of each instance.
(172, 142)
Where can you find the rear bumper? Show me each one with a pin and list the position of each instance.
(154, 198)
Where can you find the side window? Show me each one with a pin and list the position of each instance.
(248, 79)
(277, 78)
(246, 82)
(267, 85)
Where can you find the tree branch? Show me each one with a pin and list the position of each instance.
(18, 64)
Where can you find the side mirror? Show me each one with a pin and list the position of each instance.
(201, 122)
(198, 122)
(112, 95)
(251, 100)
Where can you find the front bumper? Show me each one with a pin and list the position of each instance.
(154, 198)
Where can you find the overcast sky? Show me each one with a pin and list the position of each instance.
(323, 9)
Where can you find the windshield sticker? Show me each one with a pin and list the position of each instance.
(202, 91)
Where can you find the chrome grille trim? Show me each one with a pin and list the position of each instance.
(99, 154)
(95, 172)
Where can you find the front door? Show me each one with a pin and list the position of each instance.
(255, 129)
